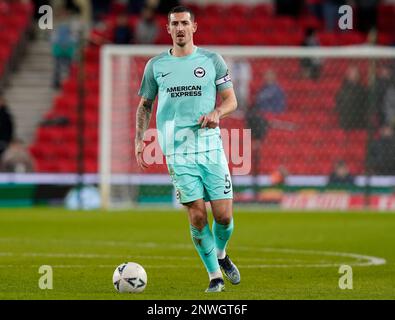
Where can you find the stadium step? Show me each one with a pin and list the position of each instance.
(31, 82)
(36, 93)
(30, 95)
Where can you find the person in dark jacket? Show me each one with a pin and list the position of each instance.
(292, 8)
(366, 15)
(351, 102)
(6, 125)
(271, 96)
(311, 66)
(381, 154)
(379, 88)
(330, 13)
(164, 6)
(341, 176)
(123, 33)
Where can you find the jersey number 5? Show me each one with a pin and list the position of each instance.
(228, 184)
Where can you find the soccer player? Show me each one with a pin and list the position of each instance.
(186, 79)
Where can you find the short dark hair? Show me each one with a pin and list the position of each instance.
(179, 9)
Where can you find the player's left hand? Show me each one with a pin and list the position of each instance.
(210, 120)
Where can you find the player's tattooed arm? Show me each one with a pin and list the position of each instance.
(143, 117)
(227, 106)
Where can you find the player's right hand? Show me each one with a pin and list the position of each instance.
(210, 120)
(139, 148)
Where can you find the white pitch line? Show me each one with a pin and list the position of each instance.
(173, 266)
(107, 256)
(362, 260)
(368, 260)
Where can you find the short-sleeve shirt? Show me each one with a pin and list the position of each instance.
(186, 87)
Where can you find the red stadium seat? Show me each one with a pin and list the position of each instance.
(351, 38)
(260, 24)
(227, 38)
(161, 22)
(92, 87)
(251, 38)
(238, 10)
(162, 39)
(262, 10)
(310, 22)
(90, 166)
(284, 24)
(10, 37)
(133, 20)
(214, 10)
(66, 103)
(385, 39)
(118, 7)
(70, 86)
(92, 54)
(386, 21)
(327, 38)
(92, 102)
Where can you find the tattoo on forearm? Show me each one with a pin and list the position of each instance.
(143, 117)
(147, 104)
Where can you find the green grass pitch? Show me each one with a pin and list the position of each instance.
(280, 255)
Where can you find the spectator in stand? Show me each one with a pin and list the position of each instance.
(271, 97)
(292, 8)
(135, 6)
(36, 5)
(311, 66)
(389, 104)
(6, 125)
(351, 101)
(341, 176)
(278, 176)
(85, 8)
(164, 6)
(379, 90)
(366, 14)
(16, 159)
(100, 35)
(241, 74)
(72, 6)
(314, 7)
(99, 9)
(147, 29)
(64, 44)
(381, 155)
(259, 125)
(330, 12)
(123, 33)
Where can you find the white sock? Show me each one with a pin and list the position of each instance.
(221, 254)
(215, 275)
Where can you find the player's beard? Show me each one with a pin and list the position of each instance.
(183, 41)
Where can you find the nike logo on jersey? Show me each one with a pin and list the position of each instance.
(165, 74)
(226, 192)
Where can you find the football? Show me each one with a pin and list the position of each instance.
(129, 277)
